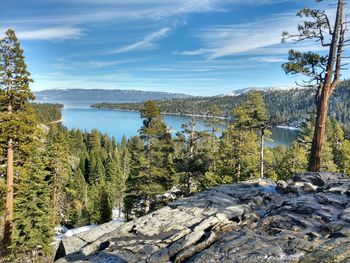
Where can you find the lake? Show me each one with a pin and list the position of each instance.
(117, 123)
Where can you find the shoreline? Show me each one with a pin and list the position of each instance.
(167, 113)
(57, 121)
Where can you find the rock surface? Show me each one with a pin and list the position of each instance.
(304, 220)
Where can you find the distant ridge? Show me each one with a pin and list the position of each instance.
(238, 92)
(91, 96)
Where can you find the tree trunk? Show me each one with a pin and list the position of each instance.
(238, 174)
(262, 137)
(9, 175)
(328, 86)
(9, 196)
(54, 201)
(319, 134)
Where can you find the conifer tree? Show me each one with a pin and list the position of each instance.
(194, 155)
(159, 172)
(16, 121)
(239, 147)
(33, 231)
(138, 163)
(323, 72)
(215, 119)
(58, 166)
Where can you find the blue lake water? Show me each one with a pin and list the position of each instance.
(117, 123)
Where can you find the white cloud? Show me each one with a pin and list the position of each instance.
(65, 64)
(236, 39)
(269, 59)
(146, 43)
(261, 37)
(50, 33)
(193, 52)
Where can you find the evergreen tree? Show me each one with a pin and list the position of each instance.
(17, 122)
(323, 71)
(138, 164)
(59, 171)
(194, 156)
(239, 146)
(158, 175)
(33, 231)
(294, 161)
(215, 120)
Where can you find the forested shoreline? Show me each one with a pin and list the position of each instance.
(290, 107)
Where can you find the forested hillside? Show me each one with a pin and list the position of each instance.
(47, 113)
(289, 107)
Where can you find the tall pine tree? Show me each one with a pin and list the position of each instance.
(16, 121)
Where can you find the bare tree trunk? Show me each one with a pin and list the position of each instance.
(191, 155)
(54, 200)
(9, 196)
(9, 177)
(328, 87)
(262, 137)
(319, 135)
(238, 174)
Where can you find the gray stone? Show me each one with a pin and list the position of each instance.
(304, 220)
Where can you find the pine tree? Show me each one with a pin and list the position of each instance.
(58, 166)
(159, 172)
(33, 232)
(194, 156)
(252, 114)
(238, 154)
(294, 161)
(17, 122)
(239, 146)
(138, 163)
(215, 120)
(324, 72)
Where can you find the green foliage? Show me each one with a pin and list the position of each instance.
(152, 169)
(294, 161)
(308, 63)
(47, 113)
(33, 232)
(194, 155)
(289, 107)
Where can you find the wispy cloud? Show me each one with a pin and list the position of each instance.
(65, 64)
(236, 39)
(196, 52)
(147, 43)
(262, 36)
(55, 33)
(269, 59)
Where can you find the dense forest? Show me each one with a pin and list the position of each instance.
(81, 176)
(289, 107)
(47, 113)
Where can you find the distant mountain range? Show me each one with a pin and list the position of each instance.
(92, 96)
(246, 90)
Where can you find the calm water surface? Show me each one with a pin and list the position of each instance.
(118, 123)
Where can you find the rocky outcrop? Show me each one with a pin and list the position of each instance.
(304, 220)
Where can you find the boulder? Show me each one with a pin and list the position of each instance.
(304, 220)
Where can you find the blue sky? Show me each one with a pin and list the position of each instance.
(199, 47)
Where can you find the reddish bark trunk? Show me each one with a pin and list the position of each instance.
(9, 197)
(329, 84)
